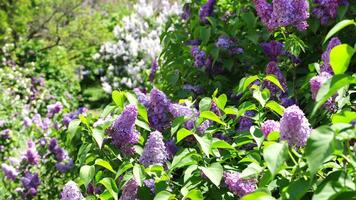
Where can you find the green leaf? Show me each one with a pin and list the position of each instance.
(296, 189)
(122, 169)
(214, 172)
(72, 130)
(340, 57)
(335, 182)
(183, 133)
(330, 87)
(86, 174)
(142, 124)
(274, 80)
(163, 195)
(258, 195)
(107, 110)
(276, 107)
(204, 143)
(183, 158)
(139, 174)
(176, 124)
(142, 112)
(110, 186)
(212, 116)
(343, 117)
(104, 164)
(319, 147)
(221, 101)
(247, 82)
(221, 144)
(261, 97)
(118, 98)
(231, 111)
(275, 155)
(195, 195)
(252, 170)
(205, 34)
(204, 104)
(99, 135)
(338, 27)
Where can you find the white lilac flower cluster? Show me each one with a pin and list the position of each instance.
(136, 44)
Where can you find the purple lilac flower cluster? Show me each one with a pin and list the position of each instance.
(30, 182)
(10, 172)
(123, 132)
(224, 42)
(206, 10)
(171, 148)
(158, 110)
(178, 110)
(154, 152)
(64, 163)
(154, 68)
(282, 13)
(327, 9)
(315, 83)
(31, 155)
(130, 191)
(245, 122)
(67, 118)
(186, 12)
(325, 57)
(71, 192)
(44, 124)
(54, 109)
(294, 127)
(193, 88)
(269, 126)
(141, 96)
(199, 56)
(36, 83)
(238, 185)
(274, 49)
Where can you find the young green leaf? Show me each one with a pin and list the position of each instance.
(339, 26)
(214, 172)
(212, 116)
(183, 133)
(275, 155)
(340, 57)
(99, 135)
(86, 174)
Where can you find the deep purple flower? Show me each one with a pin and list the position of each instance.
(9, 171)
(286, 101)
(294, 126)
(245, 122)
(154, 152)
(269, 126)
(199, 57)
(206, 10)
(326, 67)
(52, 145)
(154, 68)
(141, 96)
(224, 42)
(203, 126)
(172, 149)
(273, 69)
(123, 132)
(327, 9)
(238, 185)
(53, 109)
(5, 134)
(31, 155)
(64, 166)
(186, 12)
(71, 192)
(237, 50)
(193, 42)
(221, 136)
(130, 190)
(178, 110)
(273, 49)
(30, 180)
(158, 110)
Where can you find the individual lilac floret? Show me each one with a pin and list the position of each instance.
(206, 10)
(53, 109)
(186, 12)
(273, 69)
(130, 190)
(71, 192)
(183, 111)
(154, 152)
(269, 126)
(172, 149)
(154, 68)
(31, 155)
(9, 171)
(199, 57)
(273, 49)
(315, 83)
(325, 57)
(246, 122)
(294, 127)
(123, 132)
(239, 186)
(158, 110)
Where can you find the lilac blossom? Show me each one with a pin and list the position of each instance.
(9, 171)
(71, 192)
(327, 9)
(245, 122)
(130, 191)
(273, 49)
(158, 110)
(178, 110)
(141, 96)
(269, 126)
(123, 132)
(53, 109)
(154, 152)
(193, 42)
(154, 68)
(315, 83)
(206, 10)
(224, 42)
(273, 69)
(30, 180)
(171, 148)
(326, 67)
(31, 155)
(199, 57)
(186, 12)
(64, 166)
(238, 185)
(294, 127)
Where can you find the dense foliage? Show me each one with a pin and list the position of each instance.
(210, 99)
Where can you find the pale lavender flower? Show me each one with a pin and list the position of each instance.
(2, 122)
(141, 97)
(130, 190)
(30, 180)
(203, 126)
(315, 83)
(238, 185)
(54, 109)
(31, 155)
(9, 171)
(206, 10)
(27, 122)
(183, 111)
(326, 67)
(269, 126)
(154, 152)
(294, 127)
(193, 88)
(71, 192)
(224, 42)
(64, 166)
(172, 149)
(150, 183)
(123, 132)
